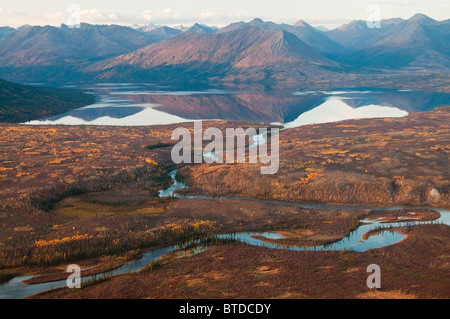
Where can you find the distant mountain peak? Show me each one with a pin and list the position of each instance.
(301, 23)
(421, 18)
(257, 20)
(354, 25)
(200, 28)
(23, 27)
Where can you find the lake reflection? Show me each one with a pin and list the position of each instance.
(143, 104)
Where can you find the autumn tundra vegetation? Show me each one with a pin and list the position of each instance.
(89, 195)
(368, 161)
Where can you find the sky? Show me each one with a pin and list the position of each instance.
(328, 13)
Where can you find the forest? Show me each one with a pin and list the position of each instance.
(21, 103)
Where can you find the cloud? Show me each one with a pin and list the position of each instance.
(219, 18)
(158, 16)
(113, 16)
(92, 16)
(407, 3)
(147, 15)
(55, 18)
(402, 3)
(208, 15)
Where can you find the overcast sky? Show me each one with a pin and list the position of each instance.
(330, 13)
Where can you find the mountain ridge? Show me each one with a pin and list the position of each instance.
(229, 54)
(256, 51)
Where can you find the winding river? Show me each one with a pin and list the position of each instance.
(353, 241)
(16, 289)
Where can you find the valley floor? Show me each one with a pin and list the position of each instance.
(91, 193)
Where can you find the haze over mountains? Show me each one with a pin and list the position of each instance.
(419, 41)
(245, 52)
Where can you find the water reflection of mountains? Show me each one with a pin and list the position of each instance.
(91, 114)
(259, 106)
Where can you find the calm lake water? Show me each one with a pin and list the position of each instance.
(128, 104)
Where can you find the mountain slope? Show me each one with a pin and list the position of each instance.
(21, 103)
(222, 54)
(162, 33)
(199, 28)
(5, 31)
(301, 29)
(417, 42)
(357, 34)
(47, 45)
(51, 54)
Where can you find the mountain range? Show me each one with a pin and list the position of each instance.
(418, 42)
(305, 32)
(245, 52)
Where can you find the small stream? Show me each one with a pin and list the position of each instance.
(16, 289)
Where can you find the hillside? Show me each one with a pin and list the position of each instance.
(21, 103)
(417, 42)
(44, 53)
(311, 36)
(47, 45)
(200, 28)
(162, 33)
(247, 54)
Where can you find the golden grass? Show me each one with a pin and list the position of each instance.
(394, 294)
(75, 207)
(266, 270)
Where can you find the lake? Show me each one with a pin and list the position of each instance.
(128, 104)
